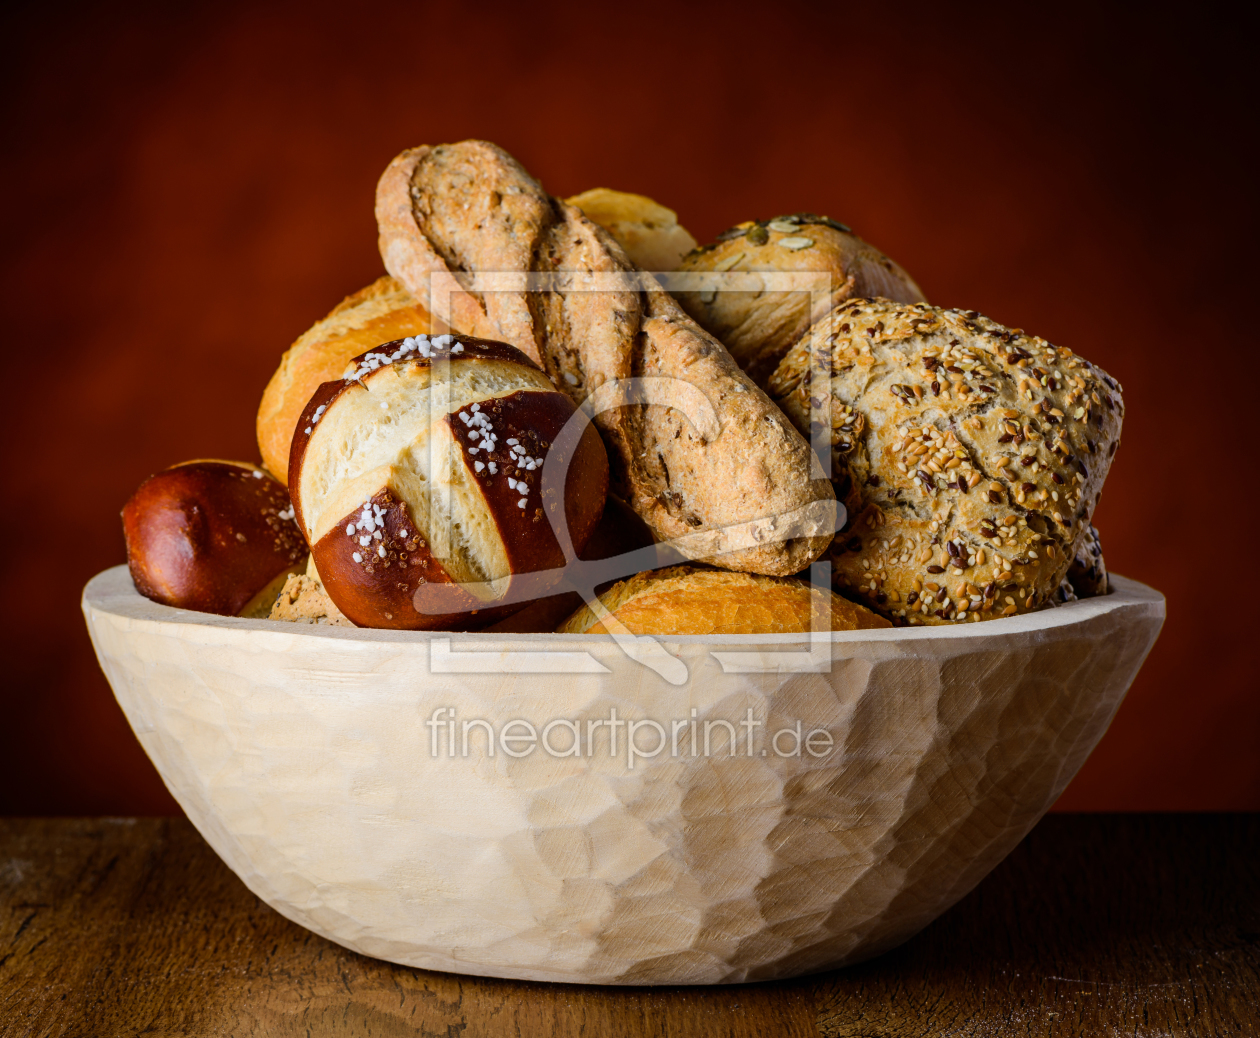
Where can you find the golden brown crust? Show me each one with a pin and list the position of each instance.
(382, 311)
(758, 327)
(471, 207)
(690, 600)
(970, 455)
(648, 231)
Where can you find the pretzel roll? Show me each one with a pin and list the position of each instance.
(650, 233)
(417, 481)
(212, 536)
(689, 600)
(970, 455)
(379, 313)
(758, 326)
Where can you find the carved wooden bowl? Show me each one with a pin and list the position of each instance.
(312, 761)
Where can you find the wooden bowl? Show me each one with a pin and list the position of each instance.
(306, 757)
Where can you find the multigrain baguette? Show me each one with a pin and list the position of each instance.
(970, 456)
(470, 207)
(758, 327)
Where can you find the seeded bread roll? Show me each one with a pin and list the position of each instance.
(382, 312)
(1088, 572)
(688, 600)
(417, 481)
(758, 327)
(470, 207)
(210, 535)
(970, 455)
(303, 600)
(650, 233)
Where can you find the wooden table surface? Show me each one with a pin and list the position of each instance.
(1096, 925)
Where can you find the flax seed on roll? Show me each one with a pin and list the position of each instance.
(382, 312)
(970, 455)
(210, 535)
(758, 327)
(691, 600)
(417, 481)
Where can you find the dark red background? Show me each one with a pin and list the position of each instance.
(185, 191)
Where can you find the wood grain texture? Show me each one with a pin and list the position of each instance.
(1096, 925)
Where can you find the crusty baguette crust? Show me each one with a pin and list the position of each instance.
(970, 455)
(471, 207)
(759, 327)
(381, 312)
(689, 600)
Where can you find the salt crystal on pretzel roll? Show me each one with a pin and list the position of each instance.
(417, 481)
(721, 456)
(382, 312)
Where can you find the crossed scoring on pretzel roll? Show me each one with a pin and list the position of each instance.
(420, 474)
(471, 208)
(970, 455)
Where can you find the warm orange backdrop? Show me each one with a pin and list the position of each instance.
(184, 191)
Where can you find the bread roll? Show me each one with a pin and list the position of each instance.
(688, 600)
(759, 327)
(649, 233)
(1088, 572)
(303, 600)
(212, 536)
(470, 207)
(417, 482)
(382, 312)
(970, 455)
